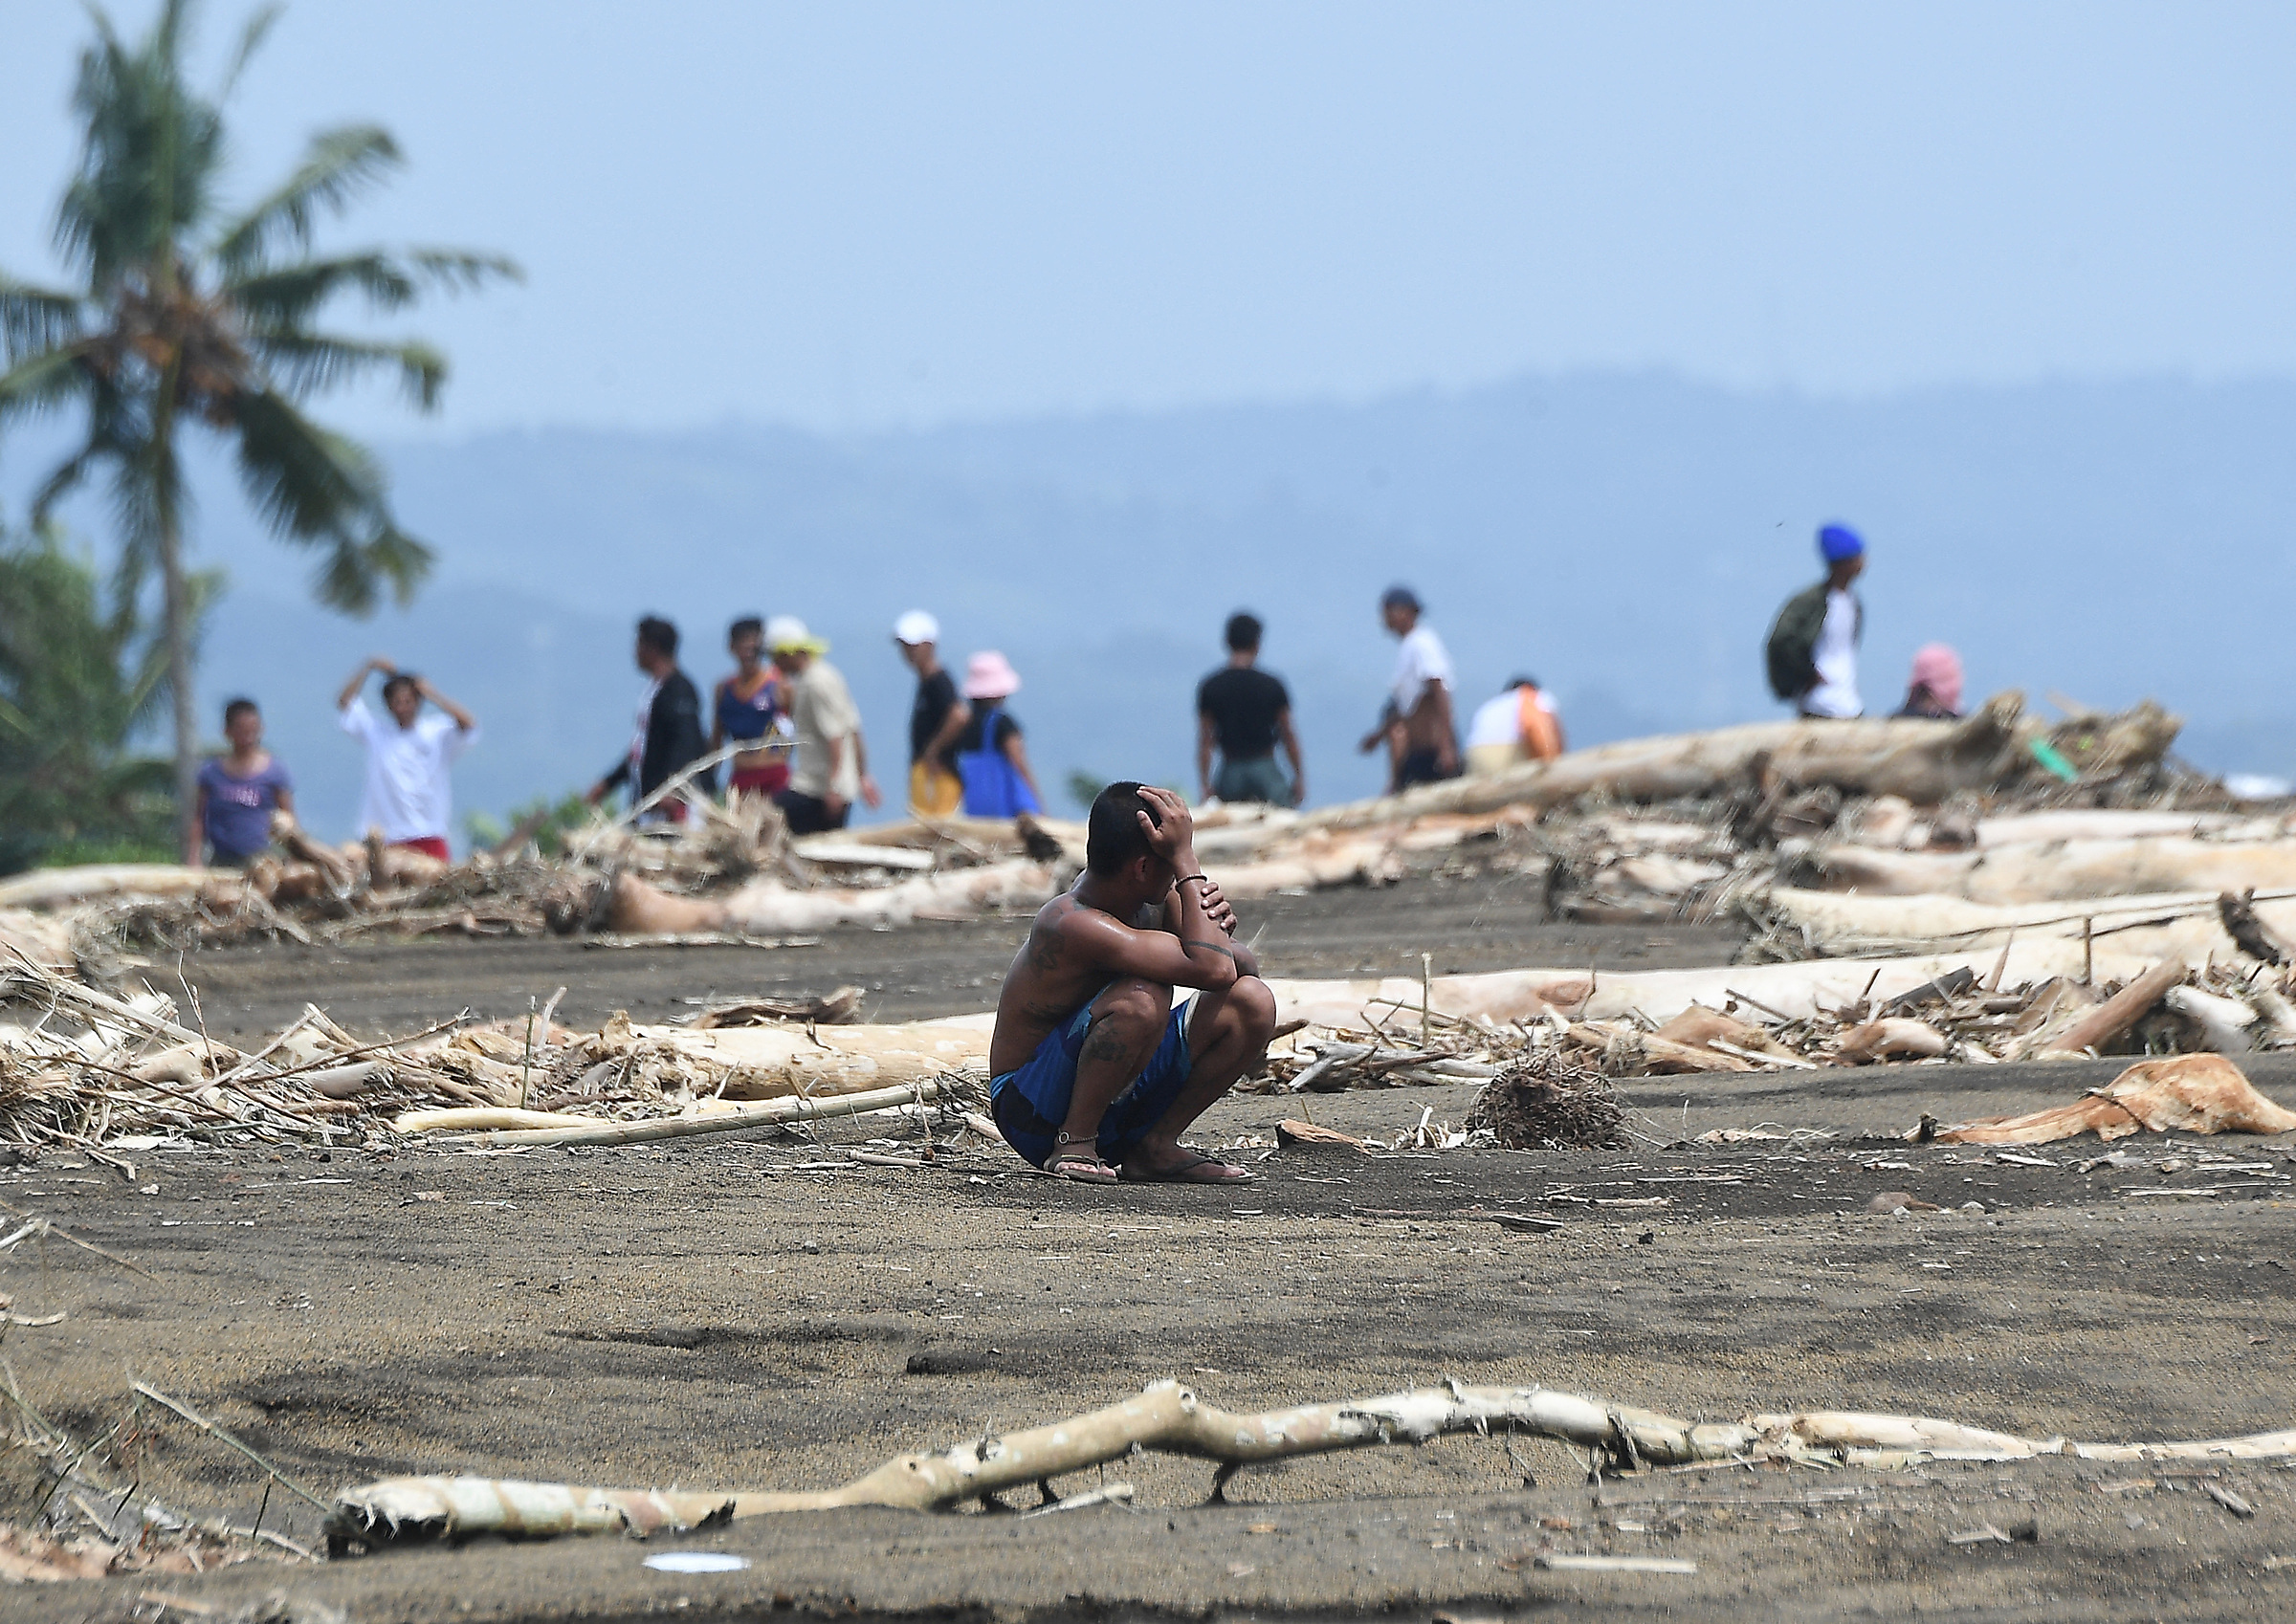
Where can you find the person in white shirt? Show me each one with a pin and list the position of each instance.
(1417, 725)
(407, 795)
(1520, 725)
(832, 768)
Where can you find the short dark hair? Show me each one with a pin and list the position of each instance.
(406, 680)
(236, 709)
(1243, 632)
(1519, 681)
(657, 634)
(753, 625)
(1111, 834)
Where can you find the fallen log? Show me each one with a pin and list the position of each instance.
(2062, 872)
(65, 888)
(2189, 1094)
(1172, 1420)
(726, 1119)
(768, 907)
(2146, 929)
(764, 1063)
(1793, 991)
(1922, 761)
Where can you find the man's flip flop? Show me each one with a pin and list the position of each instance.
(1078, 1167)
(1189, 1172)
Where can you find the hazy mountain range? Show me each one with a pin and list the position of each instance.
(1625, 539)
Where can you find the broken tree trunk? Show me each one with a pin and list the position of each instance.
(1171, 1420)
(2101, 1025)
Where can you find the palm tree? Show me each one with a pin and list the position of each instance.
(79, 678)
(189, 315)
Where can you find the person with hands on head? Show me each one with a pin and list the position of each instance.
(1097, 1066)
(409, 796)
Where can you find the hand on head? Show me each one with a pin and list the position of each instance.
(1176, 833)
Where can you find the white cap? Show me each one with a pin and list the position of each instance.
(787, 632)
(917, 626)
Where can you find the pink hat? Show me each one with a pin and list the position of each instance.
(1938, 668)
(989, 675)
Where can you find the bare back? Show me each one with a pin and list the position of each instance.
(1061, 967)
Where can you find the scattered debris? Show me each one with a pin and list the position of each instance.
(1544, 1101)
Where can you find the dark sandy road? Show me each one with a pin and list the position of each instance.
(927, 969)
(724, 1315)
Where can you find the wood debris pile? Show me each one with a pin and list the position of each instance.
(114, 1076)
(1741, 815)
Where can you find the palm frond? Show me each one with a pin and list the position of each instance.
(148, 496)
(307, 363)
(308, 483)
(150, 159)
(43, 382)
(33, 320)
(251, 40)
(322, 489)
(458, 270)
(340, 165)
(347, 578)
(282, 296)
(270, 298)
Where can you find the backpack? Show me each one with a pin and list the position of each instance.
(1791, 652)
(993, 786)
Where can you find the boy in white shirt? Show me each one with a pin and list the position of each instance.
(409, 796)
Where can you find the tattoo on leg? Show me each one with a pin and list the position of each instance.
(1104, 1042)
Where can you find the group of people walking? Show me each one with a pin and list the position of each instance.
(785, 725)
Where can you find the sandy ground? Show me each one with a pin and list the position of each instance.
(735, 1314)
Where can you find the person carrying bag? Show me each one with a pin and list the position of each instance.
(991, 758)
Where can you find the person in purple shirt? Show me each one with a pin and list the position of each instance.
(238, 792)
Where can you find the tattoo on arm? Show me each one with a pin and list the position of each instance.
(1223, 949)
(1044, 952)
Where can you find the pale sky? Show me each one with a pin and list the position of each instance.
(856, 215)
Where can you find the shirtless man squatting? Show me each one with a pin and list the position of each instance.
(1096, 1070)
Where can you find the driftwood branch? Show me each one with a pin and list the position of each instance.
(1171, 1420)
(734, 1119)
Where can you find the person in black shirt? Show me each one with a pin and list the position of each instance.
(935, 721)
(1244, 711)
(670, 735)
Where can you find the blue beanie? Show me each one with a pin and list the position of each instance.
(1838, 541)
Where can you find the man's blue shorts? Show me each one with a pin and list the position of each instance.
(1032, 1101)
